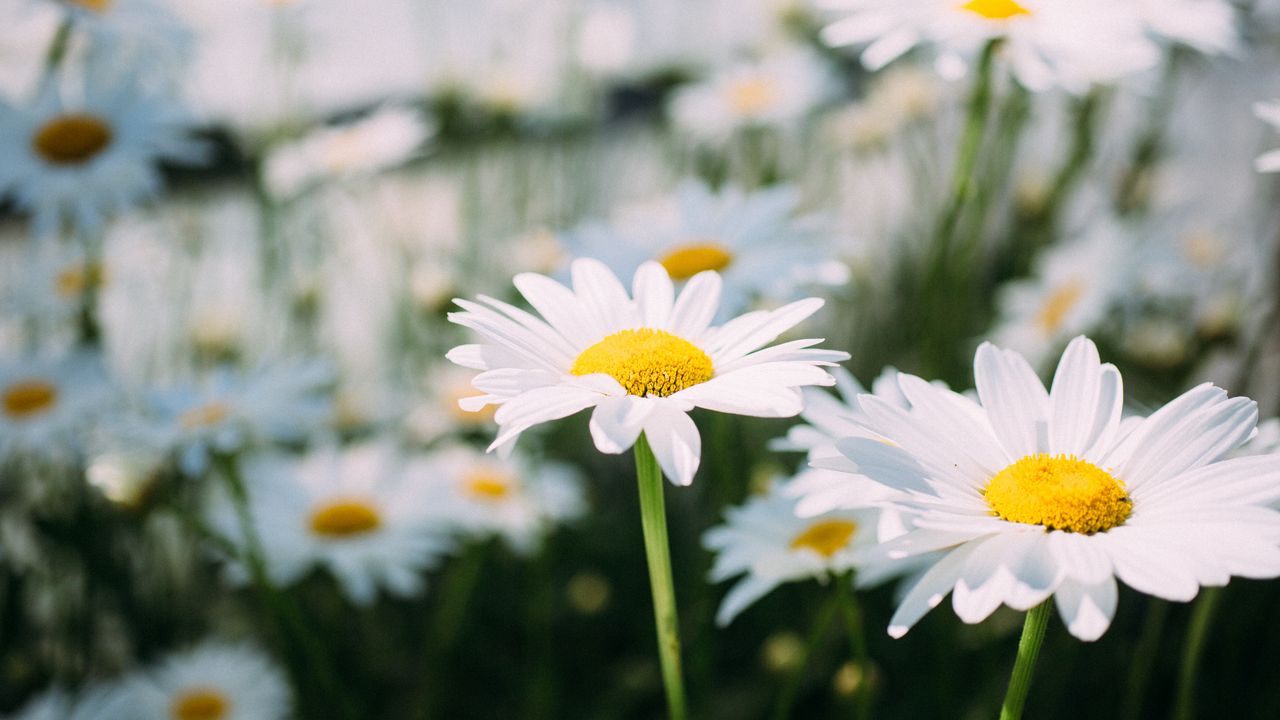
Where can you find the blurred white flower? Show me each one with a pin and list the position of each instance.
(1208, 26)
(215, 680)
(99, 702)
(132, 31)
(1269, 112)
(48, 403)
(441, 412)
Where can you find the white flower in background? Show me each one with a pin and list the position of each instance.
(216, 680)
(352, 511)
(135, 29)
(77, 165)
(480, 495)
(1208, 26)
(1072, 287)
(765, 540)
(227, 409)
(1050, 495)
(1069, 44)
(777, 90)
(101, 702)
(48, 403)
(54, 280)
(441, 413)
(642, 364)
(897, 98)
(760, 243)
(1269, 112)
(389, 137)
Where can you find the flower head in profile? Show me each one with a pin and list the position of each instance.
(641, 361)
(216, 679)
(1030, 493)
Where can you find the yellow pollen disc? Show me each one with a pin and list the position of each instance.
(345, 518)
(204, 416)
(1055, 309)
(685, 261)
(1060, 492)
(826, 537)
(71, 139)
(200, 704)
(995, 9)
(647, 362)
(488, 485)
(752, 96)
(73, 280)
(30, 397)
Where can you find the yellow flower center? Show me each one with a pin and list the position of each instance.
(97, 6)
(200, 704)
(826, 537)
(71, 139)
(1059, 303)
(73, 280)
(1060, 492)
(995, 9)
(685, 261)
(752, 96)
(647, 362)
(345, 519)
(204, 416)
(25, 398)
(488, 485)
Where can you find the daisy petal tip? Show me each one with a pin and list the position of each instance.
(898, 631)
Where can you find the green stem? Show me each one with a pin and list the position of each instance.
(1144, 656)
(653, 520)
(1033, 630)
(1201, 618)
(782, 710)
(57, 49)
(962, 184)
(857, 642)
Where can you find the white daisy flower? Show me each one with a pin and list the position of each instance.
(47, 404)
(768, 542)
(642, 364)
(441, 414)
(81, 164)
(1269, 112)
(352, 511)
(1051, 495)
(227, 409)
(215, 680)
(759, 242)
(1068, 44)
(514, 498)
(776, 90)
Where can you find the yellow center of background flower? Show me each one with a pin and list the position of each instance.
(647, 362)
(25, 398)
(71, 139)
(1060, 492)
(1055, 308)
(826, 537)
(200, 704)
(73, 280)
(345, 518)
(752, 96)
(685, 261)
(995, 9)
(204, 416)
(488, 485)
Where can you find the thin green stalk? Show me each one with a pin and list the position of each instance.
(782, 710)
(57, 49)
(653, 520)
(975, 126)
(1033, 630)
(1201, 618)
(857, 642)
(1144, 656)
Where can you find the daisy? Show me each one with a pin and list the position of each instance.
(641, 363)
(765, 540)
(441, 413)
(764, 248)
(214, 680)
(77, 165)
(48, 403)
(514, 498)
(1050, 495)
(353, 511)
(1268, 112)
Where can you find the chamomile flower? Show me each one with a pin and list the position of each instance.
(768, 542)
(352, 511)
(642, 363)
(216, 679)
(760, 242)
(79, 164)
(482, 495)
(1049, 495)
(48, 403)
(1268, 112)
(1068, 44)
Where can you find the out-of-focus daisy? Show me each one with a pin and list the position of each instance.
(514, 498)
(215, 680)
(776, 90)
(48, 403)
(759, 242)
(225, 410)
(1072, 288)
(54, 281)
(137, 28)
(766, 540)
(79, 164)
(643, 364)
(1269, 112)
(442, 413)
(352, 511)
(101, 702)
(1049, 496)
(387, 138)
(1047, 43)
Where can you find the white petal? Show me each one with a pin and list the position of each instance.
(654, 295)
(560, 307)
(746, 592)
(1079, 557)
(538, 406)
(675, 442)
(930, 590)
(1149, 567)
(1085, 401)
(729, 346)
(1087, 609)
(1015, 400)
(617, 422)
(697, 305)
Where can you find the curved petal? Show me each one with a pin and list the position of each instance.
(617, 422)
(1015, 400)
(675, 442)
(1087, 609)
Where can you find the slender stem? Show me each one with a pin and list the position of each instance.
(962, 184)
(653, 520)
(1028, 650)
(857, 642)
(817, 633)
(1201, 618)
(57, 49)
(1144, 656)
